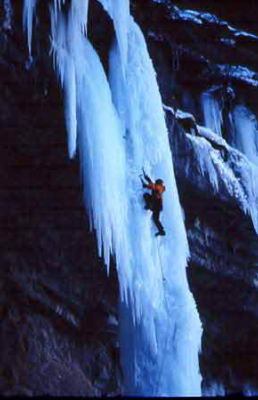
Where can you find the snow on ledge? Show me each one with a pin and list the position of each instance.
(225, 169)
(239, 72)
(234, 174)
(199, 17)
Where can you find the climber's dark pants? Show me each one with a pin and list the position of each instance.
(156, 207)
(155, 217)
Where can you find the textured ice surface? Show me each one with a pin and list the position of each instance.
(200, 17)
(211, 112)
(168, 323)
(119, 12)
(232, 174)
(239, 72)
(215, 389)
(246, 132)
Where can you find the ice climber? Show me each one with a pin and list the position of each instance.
(153, 201)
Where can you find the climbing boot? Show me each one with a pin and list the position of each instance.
(160, 233)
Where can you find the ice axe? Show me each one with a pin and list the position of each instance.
(144, 174)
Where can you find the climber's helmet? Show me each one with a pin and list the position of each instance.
(159, 181)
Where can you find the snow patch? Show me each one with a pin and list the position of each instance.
(214, 389)
(199, 17)
(239, 72)
(228, 171)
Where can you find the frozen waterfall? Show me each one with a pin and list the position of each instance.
(211, 112)
(117, 125)
(246, 132)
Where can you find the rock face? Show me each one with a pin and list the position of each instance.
(58, 308)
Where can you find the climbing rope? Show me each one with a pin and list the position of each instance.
(167, 333)
(161, 267)
(176, 63)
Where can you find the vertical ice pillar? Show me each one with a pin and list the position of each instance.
(246, 132)
(67, 34)
(160, 328)
(28, 14)
(211, 112)
(119, 12)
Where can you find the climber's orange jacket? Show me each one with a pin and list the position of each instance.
(157, 190)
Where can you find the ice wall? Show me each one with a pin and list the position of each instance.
(159, 264)
(211, 112)
(118, 127)
(246, 132)
(119, 12)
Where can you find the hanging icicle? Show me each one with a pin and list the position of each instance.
(28, 14)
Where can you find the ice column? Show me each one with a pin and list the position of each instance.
(29, 7)
(246, 132)
(161, 357)
(211, 112)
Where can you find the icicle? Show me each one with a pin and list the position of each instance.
(228, 171)
(64, 64)
(246, 131)
(80, 13)
(119, 11)
(66, 47)
(102, 156)
(28, 14)
(212, 112)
